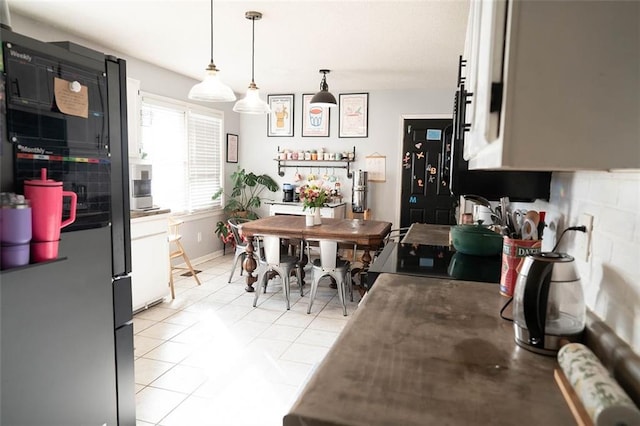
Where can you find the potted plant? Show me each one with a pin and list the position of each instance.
(244, 199)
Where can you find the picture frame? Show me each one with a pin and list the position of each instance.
(316, 120)
(232, 148)
(280, 119)
(354, 115)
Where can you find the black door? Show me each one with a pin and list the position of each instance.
(425, 188)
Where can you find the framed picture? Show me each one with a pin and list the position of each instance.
(354, 115)
(232, 148)
(315, 120)
(280, 120)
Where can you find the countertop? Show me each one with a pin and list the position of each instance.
(423, 351)
(425, 233)
(135, 214)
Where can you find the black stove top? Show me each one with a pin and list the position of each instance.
(434, 261)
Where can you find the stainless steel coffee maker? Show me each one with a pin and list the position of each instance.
(359, 192)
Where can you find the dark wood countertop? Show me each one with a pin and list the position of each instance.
(421, 351)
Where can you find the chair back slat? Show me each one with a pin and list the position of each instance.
(271, 245)
(328, 253)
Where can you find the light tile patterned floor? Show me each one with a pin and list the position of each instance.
(210, 358)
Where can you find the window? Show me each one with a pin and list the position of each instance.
(184, 144)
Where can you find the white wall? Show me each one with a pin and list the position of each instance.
(386, 108)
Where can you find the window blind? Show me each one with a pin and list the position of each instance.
(184, 145)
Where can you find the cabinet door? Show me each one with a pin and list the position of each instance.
(487, 51)
(149, 262)
(555, 88)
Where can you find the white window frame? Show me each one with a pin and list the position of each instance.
(188, 109)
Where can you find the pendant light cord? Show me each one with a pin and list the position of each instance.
(211, 31)
(253, 46)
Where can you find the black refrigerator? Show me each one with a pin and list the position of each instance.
(66, 345)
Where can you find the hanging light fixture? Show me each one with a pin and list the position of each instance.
(211, 89)
(252, 104)
(324, 98)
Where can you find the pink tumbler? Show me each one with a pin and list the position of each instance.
(46, 206)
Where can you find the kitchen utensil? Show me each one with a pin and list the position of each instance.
(12, 256)
(517, 217)
(478, 200)
(41, 251)
(533, 216)
(504, 208)
(529, 230)
(548, 303)
(15, 231)
(475, 240)
(15, 221)
(46, 197)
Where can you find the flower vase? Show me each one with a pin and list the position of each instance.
(316, 216)
(309, 219)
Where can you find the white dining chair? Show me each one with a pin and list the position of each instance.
(271, 259)
(330, 265)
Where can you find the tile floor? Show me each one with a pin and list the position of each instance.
(210, 358)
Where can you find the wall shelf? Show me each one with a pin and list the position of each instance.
(328, 164)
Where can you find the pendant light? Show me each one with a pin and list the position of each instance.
(211, 89)
(252, 104)
(324, 98)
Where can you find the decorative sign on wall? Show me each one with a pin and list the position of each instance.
(315, 120)
(232, 148)
(354, 115)
(280, 120)
(376, 167)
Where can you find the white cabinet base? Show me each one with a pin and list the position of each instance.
(149, 260)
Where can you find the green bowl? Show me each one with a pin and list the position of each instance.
(476, 240)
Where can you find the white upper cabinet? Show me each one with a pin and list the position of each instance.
(555, 85)
(133, 117)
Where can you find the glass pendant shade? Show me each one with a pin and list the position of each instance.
(324, 98)
(252, 104)
(211, 89)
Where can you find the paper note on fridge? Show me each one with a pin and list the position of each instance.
(71, 97)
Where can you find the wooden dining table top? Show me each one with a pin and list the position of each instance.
(366, 233)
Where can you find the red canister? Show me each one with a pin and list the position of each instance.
(513, 253)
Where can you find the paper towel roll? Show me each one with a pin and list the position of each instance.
(604, 400)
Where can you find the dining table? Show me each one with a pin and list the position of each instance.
(365, 235)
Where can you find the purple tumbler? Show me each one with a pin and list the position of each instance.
(15, 231)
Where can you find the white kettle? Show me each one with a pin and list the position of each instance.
(548, 303)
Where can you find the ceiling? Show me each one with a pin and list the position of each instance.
(367, 45)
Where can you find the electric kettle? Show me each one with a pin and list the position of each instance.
(548, 303)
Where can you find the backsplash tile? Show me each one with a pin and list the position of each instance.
(611, 278)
